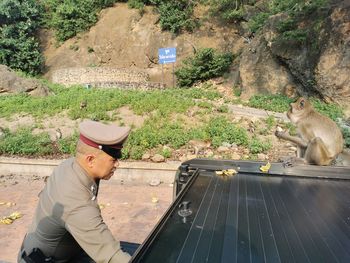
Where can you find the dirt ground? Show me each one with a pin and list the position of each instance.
(130, 211)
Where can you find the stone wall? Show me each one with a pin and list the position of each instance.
(126, 85)
(98, 75)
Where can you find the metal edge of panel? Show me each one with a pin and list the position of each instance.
(140, 252)
(276, 169)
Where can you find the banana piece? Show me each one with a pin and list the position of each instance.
(8, 220)
(227, 172)
(265, 168)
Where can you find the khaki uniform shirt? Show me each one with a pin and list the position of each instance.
(68, 217)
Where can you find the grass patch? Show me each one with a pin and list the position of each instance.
(277, 103)
(100, 101)
(23, 142)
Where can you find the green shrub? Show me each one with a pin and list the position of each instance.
(176, 15)
(277, 103)
(221, 130)
(346, 135)
(270, 122)
(223, 109)
(166, 152)
(227, 10)
(101, 101)
(68, 145)
(23, 142)
(298, 36)
(286, 25)
(257, 146)
(19, 46)
(69, 17)
(258, 21)
(205, 64)
(333, 111)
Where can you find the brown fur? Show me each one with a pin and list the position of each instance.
(320, 140)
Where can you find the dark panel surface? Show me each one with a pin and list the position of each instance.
(254, 217)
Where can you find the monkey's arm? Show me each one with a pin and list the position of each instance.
(297, 140)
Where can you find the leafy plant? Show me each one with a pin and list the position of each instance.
(23, 142)
(228, 10)
(258, 21)
(176, 15)
(277, 103)
(333, 111)
(221, 130)
(19, 47)
(68, 145)
(69, 17)
(257, 146)
(205, 64)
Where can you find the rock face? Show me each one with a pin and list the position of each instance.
(11, 83)
(332, 73)
(124, 39)
(319, 66)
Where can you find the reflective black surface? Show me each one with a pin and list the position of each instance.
(283, 216)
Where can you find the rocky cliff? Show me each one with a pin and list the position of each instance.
(265, 63)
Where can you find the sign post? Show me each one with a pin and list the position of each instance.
(165, 56)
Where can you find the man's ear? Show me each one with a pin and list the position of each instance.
(89, 160)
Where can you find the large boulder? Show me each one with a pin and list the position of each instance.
(10, 82)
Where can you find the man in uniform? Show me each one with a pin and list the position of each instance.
(67, 225)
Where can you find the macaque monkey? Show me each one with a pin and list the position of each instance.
(320, 140)
(199, 145)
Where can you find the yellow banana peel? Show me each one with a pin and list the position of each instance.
(265, 168)
(8, 220)
(227, 172)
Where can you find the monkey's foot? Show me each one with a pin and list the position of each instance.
(291, 161)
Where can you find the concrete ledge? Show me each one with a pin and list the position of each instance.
(133, 172)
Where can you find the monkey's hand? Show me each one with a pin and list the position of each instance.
(281, 134)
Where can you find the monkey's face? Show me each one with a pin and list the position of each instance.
(297, 109)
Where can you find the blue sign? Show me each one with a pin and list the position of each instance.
(166, 55)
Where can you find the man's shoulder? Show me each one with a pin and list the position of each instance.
(69, 178)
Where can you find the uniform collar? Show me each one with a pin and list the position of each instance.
(86, 180)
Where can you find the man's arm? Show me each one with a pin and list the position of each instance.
(87, 227)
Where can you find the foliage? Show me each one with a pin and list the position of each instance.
(277, 103)
(205, 64)
(67, 145)
(257, 146)
(258, 21)
(280, 103)
(346, 135)
(333, 111)
(270, 122)
(69, 17)
(227, 10)
(293, 8)
(221, 130)
(19, 48)
(298, 36)
(101, 101)
(24, 142)
(176, 15)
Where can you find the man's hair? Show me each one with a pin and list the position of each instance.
(84, 149)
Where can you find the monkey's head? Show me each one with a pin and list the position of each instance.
(299, 109)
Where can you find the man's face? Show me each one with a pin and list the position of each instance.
(104, 166)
